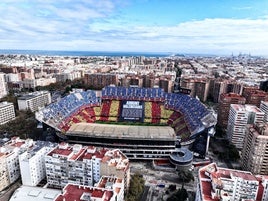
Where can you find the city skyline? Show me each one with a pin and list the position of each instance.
(208, 26)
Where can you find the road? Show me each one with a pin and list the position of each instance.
(7, 193)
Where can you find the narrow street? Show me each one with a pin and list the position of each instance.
(6, 194)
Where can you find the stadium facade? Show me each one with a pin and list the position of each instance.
(145, 123)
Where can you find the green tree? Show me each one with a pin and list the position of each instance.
(136, 187)
(180, 195)
(185, 176)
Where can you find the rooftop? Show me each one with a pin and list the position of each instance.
(32, 95)
(34, 193)
(73, 192)
(75, 152)
(5, 104)
(61, 152)
(123, 131)
(244, 108)
(216, 175)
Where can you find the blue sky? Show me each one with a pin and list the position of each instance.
(194, 26)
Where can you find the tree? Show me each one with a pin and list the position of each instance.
(136, 187)
(185, 176)
(180, 195)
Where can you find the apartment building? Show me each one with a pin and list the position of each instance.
(83, 165)
(100, 80)
(264, 108)
(255, 96)
(34, 101)
(62, 77)
(32, 163)
(202, 89)
(4, 178)
(219, 86)
(226, 99)
(216, 183)
(239, 117)
(254, 157)
(9, 160)
(131, 79)
(166, 83)
(188, 83)
(7, 112)
(107, 189)
(3, 86)
(199, 87)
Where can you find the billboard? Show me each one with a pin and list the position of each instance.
(131, 111)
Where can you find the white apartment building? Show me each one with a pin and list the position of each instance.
(33, 83)
(29, 83)
(216, 183)
(254, 154)
(9, 159)
(264, 108)
(3, 86)
(12, 77)
(7, 112)
(4, 178)
(32, 163)
(83, 165)
(45, 81)
(239, 117)
(34, 101)
(62, 77)
(107, 189)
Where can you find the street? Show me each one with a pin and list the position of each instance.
(7, 193)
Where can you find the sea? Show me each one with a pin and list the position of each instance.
(82, 53)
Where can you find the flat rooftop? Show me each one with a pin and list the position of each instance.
(122, 131)
(30, 193)
(5, 104)
(32, 95)
(247, 107)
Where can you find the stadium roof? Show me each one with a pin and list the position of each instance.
(122, 131)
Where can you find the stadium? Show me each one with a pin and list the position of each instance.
(145, 123)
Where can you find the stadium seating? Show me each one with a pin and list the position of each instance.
(105, 110)
(180, 111)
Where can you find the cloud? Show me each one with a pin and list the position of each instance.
(242, 8)
(98, 25)
(222, 35)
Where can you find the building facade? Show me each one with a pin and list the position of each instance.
(83, 165)
(264, 108)
(32, 164)
(7, 112)
(107, 189)
(226, 99)
(216, 183)
(255, 96)
(9, 160)
(100, 80)
(239, 117)
(3, 86)
(4, 178)
(34, 101)
(254, 154)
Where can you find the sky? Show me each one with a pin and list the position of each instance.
(221, 27)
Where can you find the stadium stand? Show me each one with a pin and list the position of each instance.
(180, 111)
